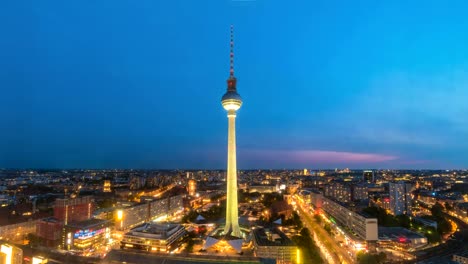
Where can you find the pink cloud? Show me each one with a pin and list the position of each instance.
(317, 156)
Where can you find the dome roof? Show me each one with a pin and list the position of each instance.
(231, 96)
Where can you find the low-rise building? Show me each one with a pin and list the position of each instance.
(50, 231)
(17, 232)
(461, 211)
(163, 237)
(274, 244)
(399, 238)
(11, 254)
(267, 188)
(87, 234)
(129, 217)
(426, 222)
(461, 258)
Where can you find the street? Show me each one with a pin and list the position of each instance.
(334, 253)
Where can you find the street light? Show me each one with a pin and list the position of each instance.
(120, 217)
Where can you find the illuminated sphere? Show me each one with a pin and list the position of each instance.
(231, 101)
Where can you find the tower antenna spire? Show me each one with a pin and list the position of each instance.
(231, 69)
(231, 80)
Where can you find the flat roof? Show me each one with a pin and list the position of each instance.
(155, 230)
(137, 257)
(88, 223)
(462, 254)
(397, 232)
(271, 237)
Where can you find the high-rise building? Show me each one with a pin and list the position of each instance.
(400, 198)
(107, 186)
(306, 172)
(231, 102)
(339, 192)
(359, 192)
(50, 231)
(368, 176)
(77, 209)
(192, 187)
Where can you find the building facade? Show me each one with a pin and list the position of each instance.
(87, 234)
(368, 176)
(74, 209)
(365, 227)
(17, 232)
(400, 198)
(50, 230)
(11, 254)
(461, 258)
(132, 216)
(274, 244)
(163, 237)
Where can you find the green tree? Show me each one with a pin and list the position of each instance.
(190, 244)
(317, 218)
(307, 246)
(437, 211)
(367, 258)
(404, 221)
(189, 217)
(432, 236)
(443, 226)
(34, 240)
(327, 228)
(448, 207)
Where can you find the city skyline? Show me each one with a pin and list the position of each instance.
(136, 86)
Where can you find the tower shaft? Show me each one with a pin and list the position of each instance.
(232, 219)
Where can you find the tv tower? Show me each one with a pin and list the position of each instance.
(231, 102)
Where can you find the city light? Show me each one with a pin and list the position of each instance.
(119, 215)
(8, 251)
(39, 260)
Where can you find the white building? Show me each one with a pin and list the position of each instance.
(365, 227)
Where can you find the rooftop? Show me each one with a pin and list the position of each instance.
(271, 237)
(155, 230)
(386, 233)
(88, 223)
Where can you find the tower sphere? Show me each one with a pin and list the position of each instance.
(231, 101)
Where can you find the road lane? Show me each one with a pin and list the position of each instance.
(338, 254)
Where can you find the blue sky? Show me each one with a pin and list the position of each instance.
(137, 84)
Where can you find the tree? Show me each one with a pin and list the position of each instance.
(367, 258)
(189, 217)
(443, 226)
(382, 216)
(305, 232)
(308, 247)
(404, 221)
(432, 236)
(448, 207)
(317, 218)
(270, 198)
(34, 240)
(190, 244)
(327, 228)
(437, 211)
